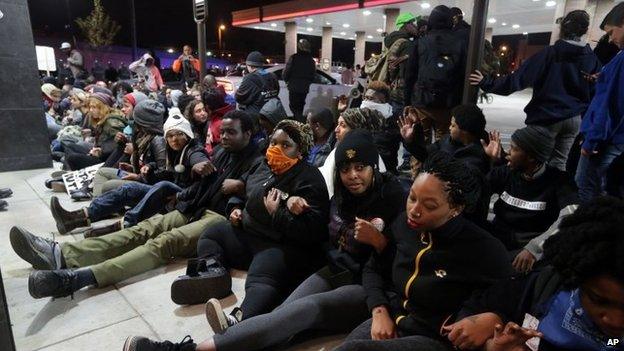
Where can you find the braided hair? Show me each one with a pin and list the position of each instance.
(590, 242)
(363, 118)
(463, 185)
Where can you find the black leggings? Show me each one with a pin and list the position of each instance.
(75, 162)
(274, 270)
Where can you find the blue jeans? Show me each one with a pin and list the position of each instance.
(145, 200)
(153, 202)
(592, 170)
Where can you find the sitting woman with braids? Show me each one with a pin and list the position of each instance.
(353, 118)
(436, 261)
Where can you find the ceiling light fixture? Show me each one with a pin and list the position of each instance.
(503, 24)
(309, 20)
(551, 3)
(515, 26)
(425, 5)
(369, 36)
(343, 33)
(492, 20)
(366, 13)
(328, 23)
(379, 30)
(309, 29)
(273, 25)
(346, 25)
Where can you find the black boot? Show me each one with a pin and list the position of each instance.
(66, 221)
(39, 252)
(81, 195)
(204, 279)
(102, 230)
(5, 192)
(57, 283)
(140, 343)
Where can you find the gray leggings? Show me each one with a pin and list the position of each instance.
(360, 340)
(324, 301)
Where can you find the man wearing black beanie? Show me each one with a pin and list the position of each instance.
(532, 194)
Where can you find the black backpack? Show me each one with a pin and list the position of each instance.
(440, 69)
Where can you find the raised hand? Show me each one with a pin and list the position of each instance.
(493, 148)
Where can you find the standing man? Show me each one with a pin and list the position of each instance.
(434, 74)
(74, 59)
(188, 65)
(257, 87)
(603, 125)
(298, 75)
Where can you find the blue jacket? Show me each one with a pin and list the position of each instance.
(603, 122)
(556, 74)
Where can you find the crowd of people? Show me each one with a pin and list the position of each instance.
(315, 207)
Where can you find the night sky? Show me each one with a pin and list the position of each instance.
(168, 23)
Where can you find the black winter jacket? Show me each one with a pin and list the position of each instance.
(557, 75)
(305, 230)
(206, 194)
(191, 155)
(299, 72)
(426, 277)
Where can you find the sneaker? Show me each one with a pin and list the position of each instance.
(140, 343)
(218, 320)
(57, 283)
(204, 279)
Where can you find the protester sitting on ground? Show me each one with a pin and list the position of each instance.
(270, 115)
(561, 78)
(62, 269)
(377, 97)
(106, 122)
(467, 131)
(602, 127)
(331, 299)
(149, 75)
(71, 132)
(350, 119)
(196, 113)
(51, 98)
(78, 108)
(216, 108)
(576, 303)
(152, 195)
(278, 247)
(322, 125)
(120, 90)
(532, 194)
(436, 261)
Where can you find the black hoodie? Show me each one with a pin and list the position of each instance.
(557, 75)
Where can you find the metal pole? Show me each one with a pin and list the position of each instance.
(201, 48)
(475, 49)
(133, 33)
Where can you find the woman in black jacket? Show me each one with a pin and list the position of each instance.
(438, 260)
(331, 299)
(576, 303)
(148, 197)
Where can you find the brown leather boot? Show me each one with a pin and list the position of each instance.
(96, 231)
(66, 221)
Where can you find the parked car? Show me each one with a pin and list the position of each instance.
(322, 91)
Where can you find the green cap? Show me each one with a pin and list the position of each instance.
(404, 19)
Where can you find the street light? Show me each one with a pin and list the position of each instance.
(199, 13)
(221, 28)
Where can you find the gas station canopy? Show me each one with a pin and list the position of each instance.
(345, 17)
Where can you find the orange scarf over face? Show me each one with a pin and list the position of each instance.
(278, 161)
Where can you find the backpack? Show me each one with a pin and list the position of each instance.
(440, 69)
(376, 68)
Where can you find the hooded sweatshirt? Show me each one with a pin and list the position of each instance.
(560, 90)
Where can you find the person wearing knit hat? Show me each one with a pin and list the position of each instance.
(351, 119)
(175, 96)
(51, 99)
(130, 101)
(405, 18)
(106, 99)
(178, 123)
(255, 59)
(148, 115)
(357, 147)
(257, 87)
(464, 141)
(51, 92)
(533, 195)
(535, 141)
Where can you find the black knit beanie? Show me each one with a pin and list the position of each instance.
(536, 141)
(441, 17)
(357, 146)
(149, 115)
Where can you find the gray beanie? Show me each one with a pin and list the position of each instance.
(255, 59)
(536, 141)
(149, 115)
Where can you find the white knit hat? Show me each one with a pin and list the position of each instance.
(178, 122)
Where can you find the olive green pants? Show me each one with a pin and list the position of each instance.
(135, 250)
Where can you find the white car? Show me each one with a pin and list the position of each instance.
(322, 91)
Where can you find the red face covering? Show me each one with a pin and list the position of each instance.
(278, 161)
